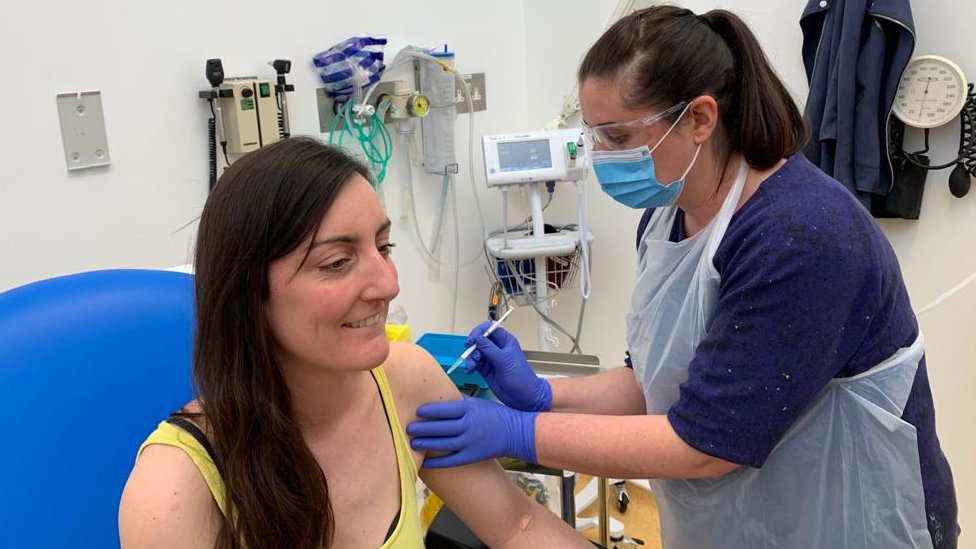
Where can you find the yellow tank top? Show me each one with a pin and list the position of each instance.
(406, 535)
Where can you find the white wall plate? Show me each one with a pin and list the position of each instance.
(83, 130)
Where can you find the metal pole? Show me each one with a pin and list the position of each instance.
(601, 491)
(567, 492)
(541, 289)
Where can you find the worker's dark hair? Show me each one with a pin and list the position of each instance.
(663, 55)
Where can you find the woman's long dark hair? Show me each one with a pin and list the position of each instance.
(264, 206)
(664, 55)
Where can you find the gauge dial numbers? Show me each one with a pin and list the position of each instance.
(931, 92)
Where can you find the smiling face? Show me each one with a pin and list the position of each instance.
(328, 311)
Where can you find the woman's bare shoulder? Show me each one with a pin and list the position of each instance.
(167, 503)
(415, 377)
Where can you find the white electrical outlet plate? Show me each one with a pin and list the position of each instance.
(476, 87)
(83, 130)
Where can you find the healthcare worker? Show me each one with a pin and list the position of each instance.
(776, 391)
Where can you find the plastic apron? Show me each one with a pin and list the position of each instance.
(845, 475)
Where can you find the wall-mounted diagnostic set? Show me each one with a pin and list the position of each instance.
(247, 112)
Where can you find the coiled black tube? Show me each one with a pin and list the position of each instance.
(967, 132)
(212, 146)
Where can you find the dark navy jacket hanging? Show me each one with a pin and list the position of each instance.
(854, 52)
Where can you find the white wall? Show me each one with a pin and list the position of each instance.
(148, 61)
(936, 252)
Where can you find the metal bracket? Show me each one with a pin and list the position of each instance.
(327, 107)
(567, 364)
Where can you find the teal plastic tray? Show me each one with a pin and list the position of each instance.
(446, 348)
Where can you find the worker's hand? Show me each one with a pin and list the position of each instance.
(470, 430)
(499, 359)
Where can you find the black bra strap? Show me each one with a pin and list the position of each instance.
(393, 526)
(195, 432)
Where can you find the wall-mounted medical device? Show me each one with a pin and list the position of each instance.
(282, 67)
(437, 83)
(539, 156)
(250, 114)
(932, 92)
(247, 113)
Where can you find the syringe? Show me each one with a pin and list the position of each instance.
(467, 352)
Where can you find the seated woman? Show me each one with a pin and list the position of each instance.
(296, 439)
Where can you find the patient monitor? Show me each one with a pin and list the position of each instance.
(534, 157)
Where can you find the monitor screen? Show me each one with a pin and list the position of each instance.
(524, 155)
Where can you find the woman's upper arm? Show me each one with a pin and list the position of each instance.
(481, 494)
(416, 379)
(166, 503)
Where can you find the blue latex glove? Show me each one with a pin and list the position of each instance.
(499, 359)
(470, 430)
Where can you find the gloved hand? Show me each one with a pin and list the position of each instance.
(499, 359)
(470, 430)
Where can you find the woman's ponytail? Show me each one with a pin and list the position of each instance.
(762, 122)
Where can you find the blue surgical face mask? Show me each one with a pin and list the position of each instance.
(628, 176)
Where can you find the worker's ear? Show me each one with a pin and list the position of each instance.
(703, 114)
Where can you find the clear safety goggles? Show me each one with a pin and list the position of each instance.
(620, 135)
